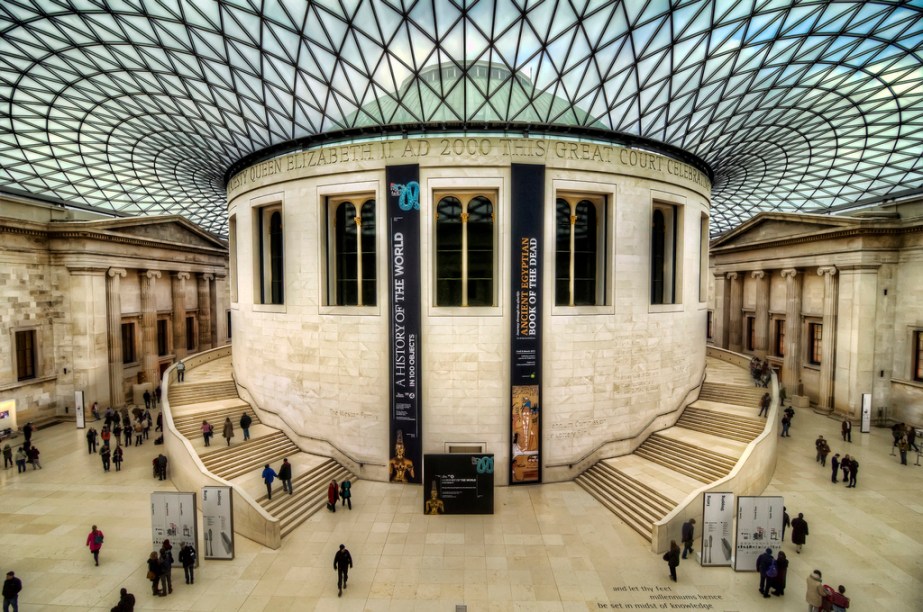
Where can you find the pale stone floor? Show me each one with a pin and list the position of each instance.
(549, 547)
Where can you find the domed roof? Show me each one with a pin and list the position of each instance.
(142, 106)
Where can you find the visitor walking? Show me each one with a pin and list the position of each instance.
(835, 464)
(333, 495)
(34, 457)
(778, 583)
(11, 588)
(91, 440)
(153, 573)
(688, 533)
(245, 422)
(187, 557)
(106, 455)
(180, 371)
(342, 561)
(672, 559)
(799, 531)
(285, 475)
(846, 430)
(346, 493)
(815, 591)
(7, 456)
(764, 565)
(207, 432)
(228, 431)
(21, 458)
(853, 470)
(166, 568)
(117, 456)
(95, 542)
(269, 475)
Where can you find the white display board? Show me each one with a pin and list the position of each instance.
(218, 522)
(173, 517)
(7, 418)
(759, 526)
(866, 425)
(717, 529)
(79, 409)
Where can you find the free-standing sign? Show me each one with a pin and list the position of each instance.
(458, 484)
(218, 522)
(717, 529)
(173, 517)
(404, 276)
(79, 409)
(526, 201)
(7, 418)
(759, 526)
(866, 425)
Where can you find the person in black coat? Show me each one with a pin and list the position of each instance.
(763, 565)
(342, 561)
(672, 559)
(153, 572)
(187, 556)
(777, 584)
(799, 531)
(688, 536)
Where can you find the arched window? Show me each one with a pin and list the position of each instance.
(465, 250)
(351, 260)
(666, 251)
(271, 253)
(580, 250)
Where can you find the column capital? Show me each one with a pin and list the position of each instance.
(720, 275)
(120, 272)
(790, 272)
(826, 270)
(152, 274)
(181, 275)
(758, 274)
(206, 276)
(732, 276)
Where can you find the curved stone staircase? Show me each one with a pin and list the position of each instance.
(210, 394)
(703, 447)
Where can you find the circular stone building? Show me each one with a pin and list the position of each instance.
(540, 297)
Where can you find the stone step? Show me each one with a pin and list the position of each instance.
(242, 457)
(193, 393)
(694, 461)
(731, 426)
(731, 394)
(591, 481)
(190, 425)
(310, 495)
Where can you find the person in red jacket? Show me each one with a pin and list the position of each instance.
(95, 542)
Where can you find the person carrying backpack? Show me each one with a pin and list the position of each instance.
(765, 565)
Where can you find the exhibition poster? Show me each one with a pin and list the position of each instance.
(717, 529)
(218, 523)
(759, 526)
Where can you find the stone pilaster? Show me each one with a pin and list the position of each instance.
(828, 344)
(114, 311)
(735, 309)
(791, 365)
(722, 310)
(761, 331)
(179, 313)
(149, 357)
(857, 322)
(205, 311)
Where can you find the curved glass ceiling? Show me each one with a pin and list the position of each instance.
(140, 106)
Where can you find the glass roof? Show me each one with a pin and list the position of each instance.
(141, 106)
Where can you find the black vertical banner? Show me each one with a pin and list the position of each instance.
(527, 220)
(404, 267)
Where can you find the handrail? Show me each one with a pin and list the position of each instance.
(572, 463)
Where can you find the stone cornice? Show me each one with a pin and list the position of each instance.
(864, 230)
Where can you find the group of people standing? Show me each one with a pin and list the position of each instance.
(27, 453)
(160, 567)
(905, 438)
(848, 465)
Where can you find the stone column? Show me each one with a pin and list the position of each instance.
(114, 312)
(828, 343)
(149, 357)
(205, 311)
(791, 364)
(734, 307)
(220, 307)
(214, 309)
(179, 313)
(857, 322)
(722, 310)
(761, 332)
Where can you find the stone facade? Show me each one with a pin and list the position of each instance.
(861, 276)
(609, 369)
(69, 281)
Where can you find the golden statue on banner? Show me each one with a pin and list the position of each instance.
(434, 505)
(400, 466)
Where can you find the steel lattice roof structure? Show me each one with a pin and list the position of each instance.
(141, 107)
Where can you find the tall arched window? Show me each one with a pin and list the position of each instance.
(580, 250)
(666, 253)
(271, 252)
(351, 260)
(465, 250)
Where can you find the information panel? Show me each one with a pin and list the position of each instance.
(866, 424)
(404, 276)
(218, 522)
(527, 197)
(458, 484)
(173, 517)
(717, 529)
(759, 526)
(79, 409)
